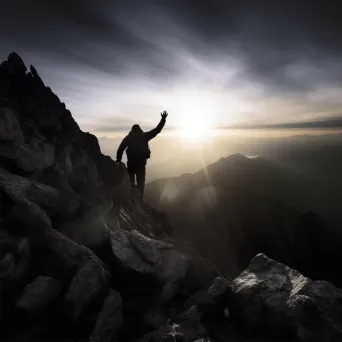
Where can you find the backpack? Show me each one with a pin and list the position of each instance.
(138, 146)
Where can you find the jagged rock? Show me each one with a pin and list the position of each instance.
(90, 229)
(15, 270)
(87, 291)
(156, 259)
(190, 323)
(148, 256)
(37, 297)
(159, 260)
(186, 327)
(7, 266)
(63, 255)
(211, 297)
(35, 74)
(21, 189)
(127, 256)
(166, 333)
(7, 243)
(16, 64)
(270, 298)
(11, 136)
(23, 256)
(110, 319)
(200, 274)
(168, 291)
(33, 158)
(27, 218)
(155, 318)
(54, 251)
(15, 265)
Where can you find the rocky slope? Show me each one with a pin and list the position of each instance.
(81, 258)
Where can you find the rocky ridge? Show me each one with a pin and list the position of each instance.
(82, 258)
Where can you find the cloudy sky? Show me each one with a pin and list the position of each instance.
(220, 62)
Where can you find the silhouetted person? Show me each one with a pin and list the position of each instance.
(138, 151)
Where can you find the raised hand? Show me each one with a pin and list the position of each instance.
(164, 114)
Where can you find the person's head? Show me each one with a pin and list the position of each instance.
(136, 129)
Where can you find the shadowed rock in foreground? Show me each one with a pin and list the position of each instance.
(81, 257)
(271, 299)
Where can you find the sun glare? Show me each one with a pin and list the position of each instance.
(196, 118)
(194, 130)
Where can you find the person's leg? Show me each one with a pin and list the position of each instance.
(141, 175)
(132, 177)
(131, 172)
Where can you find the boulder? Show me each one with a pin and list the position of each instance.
(21, 189)
(37, 297)
(15, 264)
(161, 261)
(7, 266)
(126, 256)
(34, 158)
(90, 229)
(155, 318)
(55, 254)
(7, 243)
(168, 291)
(186, 327)
(141, 257)
(15, 271)
(11, 136)
(211, 297)
(62, 256)
(190, 323)
(110, 320)
(271, 299)
(87, 290)
(200, 274)
(23, 258)
(28, 219)
(148, 256)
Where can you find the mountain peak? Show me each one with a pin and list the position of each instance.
(237, 155)
(233, 159)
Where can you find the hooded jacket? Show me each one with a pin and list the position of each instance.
(136, 142)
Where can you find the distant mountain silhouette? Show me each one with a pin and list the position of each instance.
(238, 207)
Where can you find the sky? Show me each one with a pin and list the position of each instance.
(210, 64)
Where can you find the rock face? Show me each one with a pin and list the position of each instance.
(38, 296)
(47, 160)
(88, 288)
(110, 320)
(186, 327)
(82, 258)
(273, 300)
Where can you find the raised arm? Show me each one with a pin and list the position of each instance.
(121, 149)
(154, 132)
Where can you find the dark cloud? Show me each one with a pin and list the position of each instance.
(270, 37)
(329, 123)
(286, 48)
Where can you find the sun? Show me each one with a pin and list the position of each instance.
(194, 130)
(196, 118)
